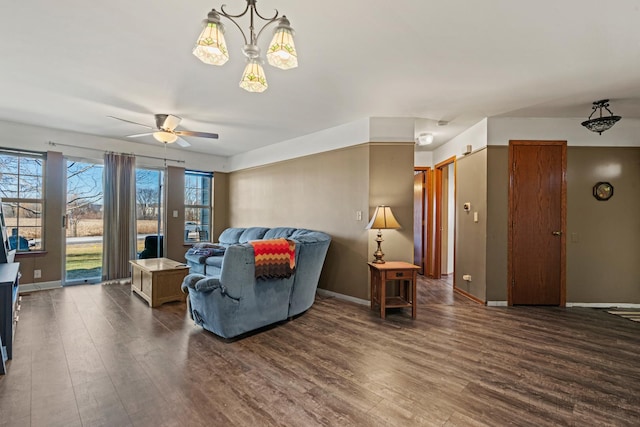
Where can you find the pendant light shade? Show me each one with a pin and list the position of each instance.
(601, 123)
(211, 47)
(282, 50)
(253, 78)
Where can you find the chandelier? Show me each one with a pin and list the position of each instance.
(600, 124)
(211, 47)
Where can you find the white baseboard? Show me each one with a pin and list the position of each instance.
(577, 304)
(603, 305)
(40, 286)
(497, 304)
(326, 293)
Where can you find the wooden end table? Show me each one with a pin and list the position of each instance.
(158, 280)
(402, 272)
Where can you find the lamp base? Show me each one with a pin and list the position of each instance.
(378, 254)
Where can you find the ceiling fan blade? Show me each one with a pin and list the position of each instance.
(167, 121)
(129, 121)
(182, 143)
(140, 134)
(199, 134)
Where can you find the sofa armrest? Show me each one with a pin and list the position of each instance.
(207, 284)
(190, 281)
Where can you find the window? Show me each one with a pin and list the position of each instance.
(198, 196)
(22, 192)
(149, 205)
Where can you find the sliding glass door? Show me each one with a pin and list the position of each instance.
(84, 217)
(150, 211)
(83, 223)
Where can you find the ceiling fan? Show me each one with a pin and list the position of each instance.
(165, 130)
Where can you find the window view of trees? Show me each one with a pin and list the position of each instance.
(84, 199)
(149, 203)
(198, 196)
(22, 192)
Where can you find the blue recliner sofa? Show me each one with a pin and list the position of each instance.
(226, 298)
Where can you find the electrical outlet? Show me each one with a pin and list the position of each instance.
(358, 215)
(37, 274)
(466, 277)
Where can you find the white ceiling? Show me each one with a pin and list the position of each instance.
(68, 64)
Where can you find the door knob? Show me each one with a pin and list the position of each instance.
(557, 233)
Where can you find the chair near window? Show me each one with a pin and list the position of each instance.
(151, 247)
(18, 242)
(203, 235)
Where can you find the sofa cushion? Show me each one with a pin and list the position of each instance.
(204, 253)
(230, 236)
(215, 261)
(278, 232)
(252, 233)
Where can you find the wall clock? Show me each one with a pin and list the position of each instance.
(603, 191)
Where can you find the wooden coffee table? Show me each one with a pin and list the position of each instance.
(158, 280)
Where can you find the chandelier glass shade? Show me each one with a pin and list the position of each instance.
(211, 47)
(601, 123)
(253, 78)
(282, 50)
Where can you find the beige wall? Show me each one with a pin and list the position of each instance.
(391, 184)
(49, 261)
(471, 241)
(497, 217)
(602, 237)
(174, 201)
(220, 204)
(325, 192)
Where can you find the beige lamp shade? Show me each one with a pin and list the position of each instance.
(383, 219)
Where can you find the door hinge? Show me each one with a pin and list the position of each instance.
(513, 283)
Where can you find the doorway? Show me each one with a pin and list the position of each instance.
(537, 221)
(83, 223)
(434, 219)
(443, 241)
(421, 216)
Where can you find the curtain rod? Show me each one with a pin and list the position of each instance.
(108, 151)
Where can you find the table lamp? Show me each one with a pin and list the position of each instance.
(382, 219)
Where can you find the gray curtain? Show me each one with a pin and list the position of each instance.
(119, 243)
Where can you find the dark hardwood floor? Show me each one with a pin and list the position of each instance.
(98, 355)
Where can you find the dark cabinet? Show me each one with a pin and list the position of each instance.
(9, 308)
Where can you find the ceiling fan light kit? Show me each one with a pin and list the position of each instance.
(600, 124)
(164, 136)
(211, 47)
(165, 130)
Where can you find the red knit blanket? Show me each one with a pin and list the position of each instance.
(274, 259)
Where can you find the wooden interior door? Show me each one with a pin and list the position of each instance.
(419, 205)
(436, 249)
(537, 217)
